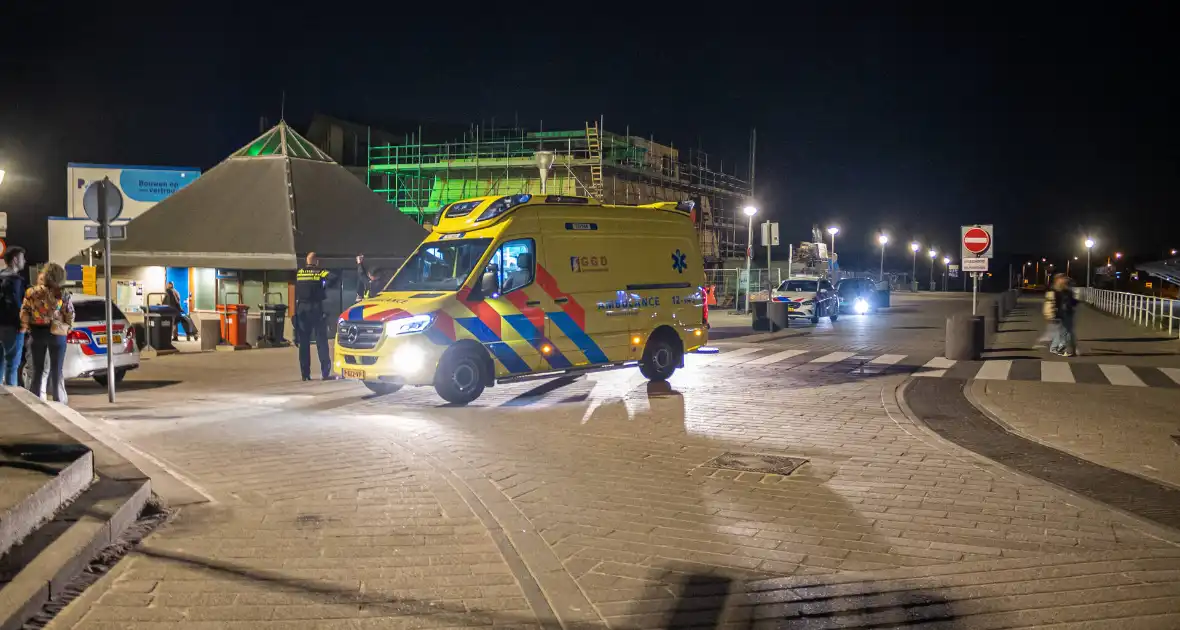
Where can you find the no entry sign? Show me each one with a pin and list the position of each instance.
(977, 241)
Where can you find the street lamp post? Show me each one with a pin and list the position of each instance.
(914, 247)
(833, 231)
(1089, 246)
(946, 266)
(749, 211)
(933, 255)
(882, 239)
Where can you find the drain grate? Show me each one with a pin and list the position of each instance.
(756, 463)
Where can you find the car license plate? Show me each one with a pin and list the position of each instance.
(102, 339)
(351, 373)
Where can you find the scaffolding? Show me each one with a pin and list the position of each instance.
(421, 178)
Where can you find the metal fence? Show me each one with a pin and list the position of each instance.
(1146, 310)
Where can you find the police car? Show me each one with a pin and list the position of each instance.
(86, 344)
(808, 297)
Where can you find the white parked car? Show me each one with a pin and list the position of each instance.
(808, 298)
(86, 345)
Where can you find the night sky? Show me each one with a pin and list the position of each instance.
(914, 118)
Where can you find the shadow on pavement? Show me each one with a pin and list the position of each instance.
(1130, 339)
(125, 386)
(369, 604)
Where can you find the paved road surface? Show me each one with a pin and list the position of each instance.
(608, 502)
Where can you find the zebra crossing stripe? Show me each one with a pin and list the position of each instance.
(834, 357)
(732, 355)
(887, 359)
(1172, 373)
(776, 357)
(936, 367)
(1056, 372)
(1121, 375)
(995, 370)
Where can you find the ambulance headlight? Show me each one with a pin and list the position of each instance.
(408, 359)
(860, 306)
(408, 325)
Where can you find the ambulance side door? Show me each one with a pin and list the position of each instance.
(586, 319)
(517, 342)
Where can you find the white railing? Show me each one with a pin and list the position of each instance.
(1146, 310)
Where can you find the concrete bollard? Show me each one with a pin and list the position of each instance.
(210, 328)
(964, 337)
(991, 316)
(778, 314)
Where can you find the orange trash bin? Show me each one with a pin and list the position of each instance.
(233, 324)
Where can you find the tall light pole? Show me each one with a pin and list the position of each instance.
(833, 231)
(914, 247)
(946, 269)
(933, 255)
(749, 211)
(1089, 247)
(882, 239)
(1, 176)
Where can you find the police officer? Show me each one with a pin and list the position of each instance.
(311, 321)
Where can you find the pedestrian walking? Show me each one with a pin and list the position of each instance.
(12, 294)
(47, 314)
(311, 321)
(172, 299)
(1064, 305)
(1060, 306)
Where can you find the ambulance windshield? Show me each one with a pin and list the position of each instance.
(439, 266)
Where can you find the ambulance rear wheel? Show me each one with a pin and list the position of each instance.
(460, 378)
(382, 389)
(660, 358)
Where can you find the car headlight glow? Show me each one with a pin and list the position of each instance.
(408, 358)
(407, 325)
(860, 306)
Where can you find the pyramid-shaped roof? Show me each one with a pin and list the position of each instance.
(282, 140)
(265, 207)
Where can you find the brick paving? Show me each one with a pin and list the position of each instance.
(586, 501)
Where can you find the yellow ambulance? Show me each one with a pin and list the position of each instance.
(528, 285)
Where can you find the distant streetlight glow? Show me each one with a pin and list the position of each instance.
(1089, 243)
(1118, 255)
(932, 253)
(882, 239)
(914, 247)
(749, 211)
(946, 261)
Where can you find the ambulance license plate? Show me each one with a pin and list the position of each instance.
(791, 307)
(350, 373)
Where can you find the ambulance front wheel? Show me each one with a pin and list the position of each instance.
(460, 378)
(660, 358)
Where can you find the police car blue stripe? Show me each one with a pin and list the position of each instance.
(525, 327)
(567, 325)
(510, 359)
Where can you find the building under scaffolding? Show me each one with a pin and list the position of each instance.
(420, 178)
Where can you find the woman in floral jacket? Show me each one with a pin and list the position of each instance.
(47, 315)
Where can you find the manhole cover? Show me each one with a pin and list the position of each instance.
(753, 462)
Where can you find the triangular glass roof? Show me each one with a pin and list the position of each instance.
(282, 140)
